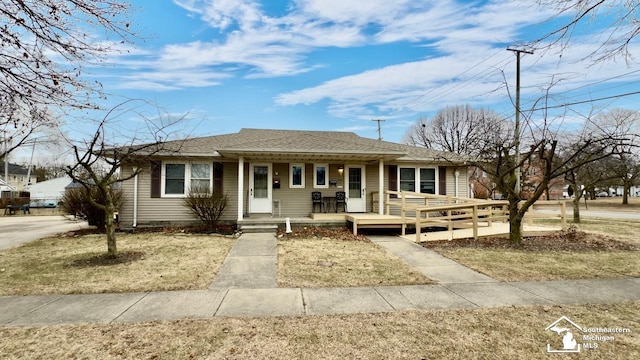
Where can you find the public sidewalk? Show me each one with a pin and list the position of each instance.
(245, 287)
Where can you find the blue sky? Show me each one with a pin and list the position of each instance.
(336, 64)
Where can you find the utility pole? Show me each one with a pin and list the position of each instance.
(517, 127)
(379, 130)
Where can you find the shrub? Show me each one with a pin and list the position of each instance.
(206, 206)
(76, 202)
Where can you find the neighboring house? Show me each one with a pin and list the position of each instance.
(532, 173)
(483, 186)
(258, 168)
(18, 176)
(4, 187)
(48, 193)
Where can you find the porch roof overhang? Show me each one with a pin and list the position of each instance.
(310, 156)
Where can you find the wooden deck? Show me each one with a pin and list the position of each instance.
(458, 217)
(496, 229)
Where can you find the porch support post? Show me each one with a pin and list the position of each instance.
(240, 187)
(381, 187)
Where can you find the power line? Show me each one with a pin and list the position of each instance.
(587, 101)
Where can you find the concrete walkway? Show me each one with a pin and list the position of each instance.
(430, 263)
(251, 263)
(246, 286)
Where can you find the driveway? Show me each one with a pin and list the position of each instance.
(16, 230)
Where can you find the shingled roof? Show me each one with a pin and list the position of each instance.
(291, 145)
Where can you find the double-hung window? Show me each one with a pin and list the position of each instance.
(180, 178)
(428, 180)
(296, 176)
(174, 179)
(424, 178)
(408, 179)
(320, 176)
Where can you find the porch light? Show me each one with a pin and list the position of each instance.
(340, 170)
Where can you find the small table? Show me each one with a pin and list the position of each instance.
(329, 202)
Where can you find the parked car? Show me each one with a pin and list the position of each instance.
(602, 194)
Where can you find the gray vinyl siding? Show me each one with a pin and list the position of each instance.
(294, 202)
(372, 184)
(159, 211)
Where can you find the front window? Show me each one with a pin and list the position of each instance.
(174, 179)
(200, 178)
(320, 176)
(408, 179)
(428, 181)
(179, 178)
(296, 178)
(424, 177)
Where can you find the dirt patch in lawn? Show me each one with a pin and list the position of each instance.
(570, 239)
(322, 233)
(125, 257)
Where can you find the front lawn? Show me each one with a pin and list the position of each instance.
(570, 254)
(147, 262)
(339, 259)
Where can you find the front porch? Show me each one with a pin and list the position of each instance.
(444, 218)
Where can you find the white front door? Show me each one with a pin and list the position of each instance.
(260, 190)
(356, 192)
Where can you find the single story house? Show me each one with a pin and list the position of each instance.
(263, 172)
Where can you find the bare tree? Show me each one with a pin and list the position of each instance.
(98, 160)
(45, 46)
(459, 129)
(493, 150)
(584, 179)
(618, 21)
(624, 166)
(19, 122)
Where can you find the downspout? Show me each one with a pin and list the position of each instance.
(135, 199)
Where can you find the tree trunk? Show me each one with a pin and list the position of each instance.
(515, 223)
(625, 193)
(576, 209)
(110, 226)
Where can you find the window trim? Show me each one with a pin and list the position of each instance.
(187, 177)
(299, 186)
(417, 179)
(315, 176)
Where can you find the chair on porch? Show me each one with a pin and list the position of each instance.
(341, 199)
(316, 199)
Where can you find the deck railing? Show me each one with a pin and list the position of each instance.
(425, 210)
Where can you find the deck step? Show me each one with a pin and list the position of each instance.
(259, 228)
